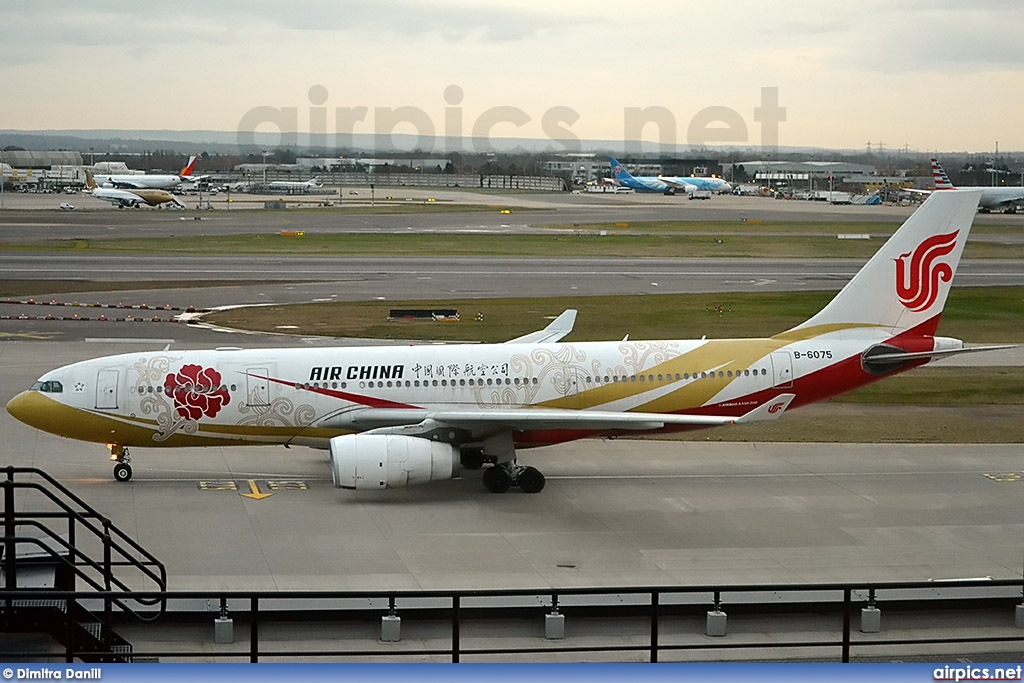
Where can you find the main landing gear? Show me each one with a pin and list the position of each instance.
(122, 468)
(501, 477)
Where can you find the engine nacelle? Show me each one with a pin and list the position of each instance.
(388, 461)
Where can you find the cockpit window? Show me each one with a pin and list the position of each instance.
(50, 387)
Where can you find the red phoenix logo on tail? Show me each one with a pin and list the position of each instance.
(917, 283)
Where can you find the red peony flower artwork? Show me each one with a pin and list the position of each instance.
(197, 391)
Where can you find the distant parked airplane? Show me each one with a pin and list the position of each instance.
(148, 181)
(666, 184)
(129, 199)
(991, 197)
(292, 187)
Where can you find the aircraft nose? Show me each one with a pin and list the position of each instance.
(20, 407)
(39, 411)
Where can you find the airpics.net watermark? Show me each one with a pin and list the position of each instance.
(709, 126)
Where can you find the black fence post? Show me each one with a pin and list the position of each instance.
(455, 628)
(254, 630)
(846, 625)
(10, 547)
(655, 615)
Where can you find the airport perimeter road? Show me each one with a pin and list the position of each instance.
(613, 513)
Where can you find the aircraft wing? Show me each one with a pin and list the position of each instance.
(678, 183)
(556, 329)
(522, 419)
(126, 185)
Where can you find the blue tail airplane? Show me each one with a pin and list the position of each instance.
(666, 184)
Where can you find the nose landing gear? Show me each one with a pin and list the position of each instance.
(122, 468)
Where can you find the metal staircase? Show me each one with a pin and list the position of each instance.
(57, 551)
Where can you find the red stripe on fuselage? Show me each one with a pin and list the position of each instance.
(369, 401)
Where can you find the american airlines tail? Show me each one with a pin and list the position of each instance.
(904, 285)
(939, 177)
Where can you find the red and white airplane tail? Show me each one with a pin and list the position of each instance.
(903, 287)
(939, 177)
(187, 171)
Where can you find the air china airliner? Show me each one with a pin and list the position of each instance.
(407, 415)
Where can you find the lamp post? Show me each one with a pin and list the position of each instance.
(264, 167)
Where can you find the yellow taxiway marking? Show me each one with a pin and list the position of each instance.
(254, 492)
(252, 488)
(1005, 476)
(218, 485)
(26, 335)
(287, 485)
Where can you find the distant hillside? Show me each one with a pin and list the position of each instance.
(226, 142)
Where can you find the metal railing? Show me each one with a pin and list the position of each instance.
(834, 602)
(107, 574)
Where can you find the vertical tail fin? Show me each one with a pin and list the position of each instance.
(619, 171)
(939, 177)
(187, 171)
(906, 282)
(90, 182)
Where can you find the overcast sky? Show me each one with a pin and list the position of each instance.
(932, 75)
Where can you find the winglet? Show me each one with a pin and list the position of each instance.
(769, 410)
(556, 329)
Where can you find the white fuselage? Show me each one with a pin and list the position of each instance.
(307, 396)
(141, 181)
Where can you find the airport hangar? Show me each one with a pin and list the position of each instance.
(615, 513)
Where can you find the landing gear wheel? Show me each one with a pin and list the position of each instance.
(497, 479)
(530, 480)
(122, 471)
(119, 454)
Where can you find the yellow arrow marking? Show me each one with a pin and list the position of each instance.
(25, 335)
(255, 492)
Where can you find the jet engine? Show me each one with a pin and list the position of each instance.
(388, 461)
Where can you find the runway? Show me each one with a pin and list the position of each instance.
(614, 512)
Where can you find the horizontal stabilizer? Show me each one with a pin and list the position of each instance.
(558, 328)
(939, 353)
